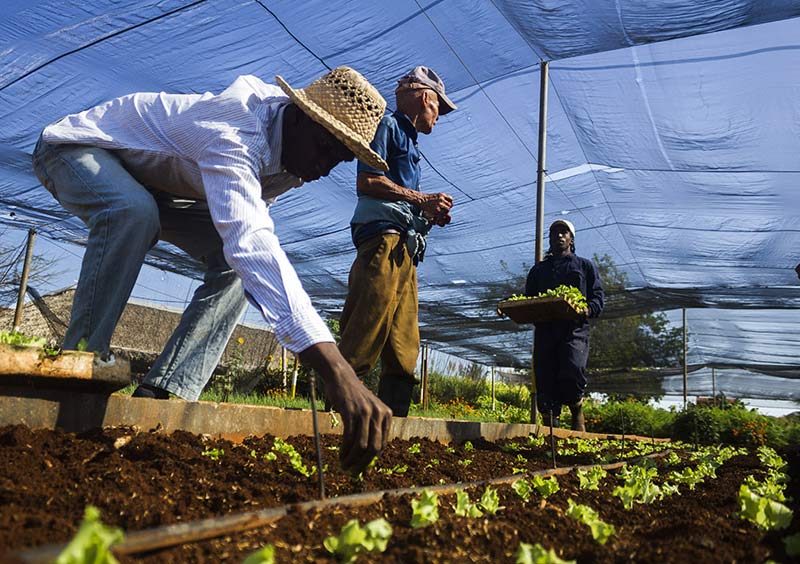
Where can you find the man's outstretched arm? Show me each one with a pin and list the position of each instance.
(367, 420)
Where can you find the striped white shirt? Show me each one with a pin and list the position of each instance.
(224, 149)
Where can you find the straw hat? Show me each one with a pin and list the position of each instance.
(345, 104)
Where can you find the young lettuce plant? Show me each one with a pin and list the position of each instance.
(213, 453)
(639, 487)
(490, 501)
(295, 460)
(545, 487)
(354, 539)
(764, 512)
(93, 541)
(601, 531)
(464, 508)
(522, 488)
(590, 479)
(537, 554)
(264, 556)
(772, 487)
(425, 510)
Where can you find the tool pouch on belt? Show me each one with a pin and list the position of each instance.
(416, 243)
(406, 217)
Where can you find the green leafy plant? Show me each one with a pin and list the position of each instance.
(764, 512)
(490, 501)
(590, 479)
(354, 539)
(638, 487)
(537, 554)
(93, 541)
(772, 487)
(569, 293)
(601, 531)
(396, 469)
(20, 340)
(425, 510)
(522, 488)
(545, 487)
(534, 441)
(264, 556)
(468, 446)
(464, 508)
(296, 461)
(213, 453)
(414, 449)
(465, 462)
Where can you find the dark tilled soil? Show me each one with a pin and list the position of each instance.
(144, 480)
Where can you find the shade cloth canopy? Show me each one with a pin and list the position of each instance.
(673, 143)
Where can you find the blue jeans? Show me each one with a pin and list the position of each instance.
(125, 221)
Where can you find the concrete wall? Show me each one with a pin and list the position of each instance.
(141, 329)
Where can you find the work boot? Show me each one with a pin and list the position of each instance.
(396, 393)
(148, 391)
(578, 423)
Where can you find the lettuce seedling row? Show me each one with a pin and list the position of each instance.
(146, 480)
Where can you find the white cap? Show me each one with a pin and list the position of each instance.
(564, 222)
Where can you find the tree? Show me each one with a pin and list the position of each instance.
(636, 341)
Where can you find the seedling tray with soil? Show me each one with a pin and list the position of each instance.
(534, 310)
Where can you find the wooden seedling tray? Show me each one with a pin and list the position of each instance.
(20, 364)
(533, 310)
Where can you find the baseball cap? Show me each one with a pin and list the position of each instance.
(566, 223)
(428, 79)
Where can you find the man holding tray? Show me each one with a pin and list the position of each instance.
(561, 348)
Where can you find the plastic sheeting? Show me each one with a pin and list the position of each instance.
(673, 142)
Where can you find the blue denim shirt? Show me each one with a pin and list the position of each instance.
(396, 141)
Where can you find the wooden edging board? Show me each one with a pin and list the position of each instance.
(31, 366)
(78, 411)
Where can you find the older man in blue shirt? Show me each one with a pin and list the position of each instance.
(389, 226)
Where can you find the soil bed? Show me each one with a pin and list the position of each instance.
(141, 480)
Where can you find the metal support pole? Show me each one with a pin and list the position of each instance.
(540, 172)
(23, 284)
(685, 365)
(317, 444)
(283, 368)
(294, 375)
(713, 387)
(493, 406)
(425, 395)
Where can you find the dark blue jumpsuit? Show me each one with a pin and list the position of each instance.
(561, 348)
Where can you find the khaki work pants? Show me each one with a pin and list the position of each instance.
(380, 318)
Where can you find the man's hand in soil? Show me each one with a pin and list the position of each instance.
(367, 420)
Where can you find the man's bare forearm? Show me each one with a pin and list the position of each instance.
(377, 186)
